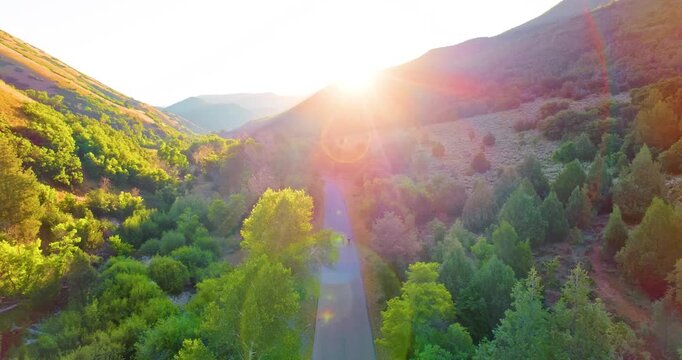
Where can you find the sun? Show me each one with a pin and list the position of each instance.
(357, 82)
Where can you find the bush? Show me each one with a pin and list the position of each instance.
(489, 139)
(566, 123)
(585, 150)
(170, 274)
(571, 176)
(479, 163)
(531, 169)
(480, 208)
(615, 233)
(671, 159)
(524, 125)
(437, 150)
(170, 241)
(641, 184)
(150, 247)
(551, 108)
(565, 153)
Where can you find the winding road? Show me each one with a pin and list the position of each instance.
(342, 329)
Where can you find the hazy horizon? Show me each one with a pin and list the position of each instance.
(163, 52)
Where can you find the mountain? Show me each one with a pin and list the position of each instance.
(566, 10)
(72, 130)
(215, 113)
(610, 49)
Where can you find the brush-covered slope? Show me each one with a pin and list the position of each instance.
(216, 113)
(69, 128)
(611, 49)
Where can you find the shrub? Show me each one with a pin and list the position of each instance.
(584, 148)
(551, 108)
(524, 125)
(531, 169)
(615, 233)
(553, 212)
(671, 159)
(170, 274)
(150, 247)
(170, 241)
(479, 163)
(570, 177)
(635, 190)
(579, 209)
(565, 123)
(480, 207)
(437, 150)
(489, 139)
(565, 153)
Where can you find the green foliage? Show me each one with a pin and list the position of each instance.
(585, 150)
(166, 338)
(486, 298)
(54, 148)
(524, 331)
(566, 123)
(279, 226)
(598, 184)
(653, 248)
(194, 258)
(566, 152)
(480, 208)
(171, 275)
(523, 211)
(20, 209)
(506, 184)
(225, 218)
(579, 209)
(553, 212)
(531, 169)
(635, 190)
(671, 159)
(511, 250)
(194, 349)
(456, 269)
(551, 108)
(571, 176)
(411, 321)
(657, 124)
(615, 233)
(24, 268)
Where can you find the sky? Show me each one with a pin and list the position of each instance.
(162, 51)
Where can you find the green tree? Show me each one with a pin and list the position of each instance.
(565, 153)
(653, 247)
(585, 150)
(412, 320)
(523, 333)
(165, 339)
(634, 191)
(506, 184)
(658, 126)
(20, 209)
(553, 212)
(579, 209)
(171, 275)
(571, 176)
(531, 169)
(582, 328)
(487, 297)
(456, 269)
(598, 184)
(523, 211)
(280, 227)
(23, 268)
(671, 159)
(511, 250)
(615, 233)
(480, 207)
(194, 349)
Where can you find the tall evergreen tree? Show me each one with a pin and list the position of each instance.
(522, 211)
(615, 233)
(579, 209)
(479, 209)
(571, 176)
(553, 212)
(634, 191)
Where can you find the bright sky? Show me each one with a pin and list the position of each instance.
(162, 51)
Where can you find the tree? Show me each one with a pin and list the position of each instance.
(170, 274)
(523, 211)
(658, 126)
(553, 212)
(20, 209)
(675, 279)
(598, 184)
(634, 191)
(653, 247)
(571, 176)
(23, 268)
(585, 150)
(565, 153)
(194, 349)
(506, 184)
(531, 169)
(280, 227)
(414, 319)
(394, 240)
(456, 269)
(487, 297)
(269, 304)
(671, 159)
(523, 333)
(615, 233)
(582, 328)
(511, 250)
(579, 209)
(479, 209)
(167, 338)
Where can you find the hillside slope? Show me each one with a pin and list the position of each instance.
(611, 49)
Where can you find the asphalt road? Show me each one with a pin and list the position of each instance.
(342, 329)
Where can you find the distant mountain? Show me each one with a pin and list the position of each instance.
(216, 113)
(596, 47)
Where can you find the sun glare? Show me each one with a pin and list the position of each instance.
(357, 82)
